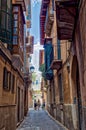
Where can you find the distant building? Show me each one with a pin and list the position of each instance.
(29, 44)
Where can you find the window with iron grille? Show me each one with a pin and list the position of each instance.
(6, 79)
(60, 88)
(12, 83)
(15, 25)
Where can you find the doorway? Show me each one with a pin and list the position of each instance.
(76, 90)
(79, 103)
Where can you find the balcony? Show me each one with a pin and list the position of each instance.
(28, 78)
(18, 51)
(66, 15)
(5, 52)
(49, 21)
(20, 2)
(44, 6)
(29, 49)
(56, 65)
(6, 27)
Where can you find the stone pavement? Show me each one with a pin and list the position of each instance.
(39, 120)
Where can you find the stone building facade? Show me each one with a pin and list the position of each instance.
(13, 83)
(11, 79)
(66, 90)
(78, 64)
(7, 91)
(43, 81)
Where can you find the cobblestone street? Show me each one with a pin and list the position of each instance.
(39, 120)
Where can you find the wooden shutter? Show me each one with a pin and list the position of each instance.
(5, 78)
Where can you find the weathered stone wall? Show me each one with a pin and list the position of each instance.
(66, 85)
(84, 118)
(68, 121)
(56, 87)
(80, 41)
(20, 100)
(7, 117)
(82, 21)
(69, 92)
(8, 98)
(58, 114)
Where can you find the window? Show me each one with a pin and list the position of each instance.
(3, 4)
(15, 31)
(0, 4)
(8, 5)
(8, 36)
(15, 23)
(15, 28)
(15, 40)
(8, 22)
(6, 79)
(3, 19)
(15, 16)
(15, 9)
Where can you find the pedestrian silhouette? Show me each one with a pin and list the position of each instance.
(38, 104)
(35, 105)
(43, 104)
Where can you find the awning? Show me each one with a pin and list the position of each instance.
(66, 12)
(56, 64)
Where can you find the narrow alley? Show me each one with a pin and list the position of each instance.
(39, 120)
(42, 64)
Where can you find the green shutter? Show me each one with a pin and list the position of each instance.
(6, 22)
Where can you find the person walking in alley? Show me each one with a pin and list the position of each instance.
(38, 104)
(43, 105)
(35, 104)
